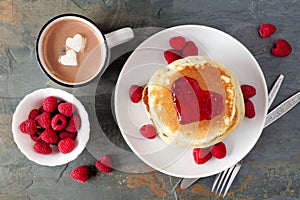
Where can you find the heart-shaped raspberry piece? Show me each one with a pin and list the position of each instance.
(282, 48)
(194, 104)
(265, 30)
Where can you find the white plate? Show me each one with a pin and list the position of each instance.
(25, 143)
(141, 65)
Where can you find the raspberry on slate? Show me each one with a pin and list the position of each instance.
(248, 91)
(50, 104)
(28, 126)
(49, 136)
(190, 49)
(249, 109)
(171, 55)
(104, 164)
(282, 48)
(135, 93)
(265, 30)
(218, 150)
(201, 155)
(148, 131)
(44, 120)
(177, 42)
(66, 145)
(80, 173)
(58, 122)
(66, 109)
(42, 148)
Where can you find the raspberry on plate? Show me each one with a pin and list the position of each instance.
(135, 93)
(66, 109)
(28, 126)
(44, 120)
(201, 155)
(80, 173)
(49, 136)
(218, 150)
(66, 145)
(33, 113)
(249, 109)
(104, 164)
(248, 91)
(177, 42)
(42, 148)
(74, 124)
(171, 55)
(148, 131)
(65, 134)
(50, 104)
(58, 122)
(190, 49)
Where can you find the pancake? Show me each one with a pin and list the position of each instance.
(194, 102)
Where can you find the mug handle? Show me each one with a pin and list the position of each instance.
(119, 37)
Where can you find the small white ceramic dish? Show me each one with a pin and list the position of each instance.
(149, 57)
(25, 143)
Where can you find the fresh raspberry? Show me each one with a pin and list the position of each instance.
(177, 42)
(148, 131)
(80, 173)
(201, 155)
(50, 104)
(58, 122)
(136, 93)
(171, 55)
(248, 91)
(28, 126)
(65, 134)
(42, 148)
(74, 124)
(66, 145)
(66, 109)
(282, 48)
(218, 150)
(33, 113)
(49, 136)
(265, 30)
(36, 137)
(104, 164)
(190, 49)
(249, 109)
(44, 120)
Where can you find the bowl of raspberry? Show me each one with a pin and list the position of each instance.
(50, 127)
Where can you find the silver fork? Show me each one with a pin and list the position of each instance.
(226, 177)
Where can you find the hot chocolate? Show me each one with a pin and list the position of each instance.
(89, 60)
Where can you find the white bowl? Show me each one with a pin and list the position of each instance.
(24, 141)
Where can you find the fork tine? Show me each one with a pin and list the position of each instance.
(220, 179)
(228, 175)
(234, 173)
(216, 181)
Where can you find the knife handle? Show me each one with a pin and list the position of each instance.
(282, 109)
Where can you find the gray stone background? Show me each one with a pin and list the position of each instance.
(270, 171)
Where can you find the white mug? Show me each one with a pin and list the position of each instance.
(70, 66)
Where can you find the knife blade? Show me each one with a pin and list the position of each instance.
(274, 115)
(275, 88)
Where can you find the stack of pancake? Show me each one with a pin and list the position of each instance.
(194, 102)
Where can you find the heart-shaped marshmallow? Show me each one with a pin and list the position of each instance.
(69, 59)
(77, 43)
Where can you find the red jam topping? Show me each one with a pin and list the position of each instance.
(194, 104)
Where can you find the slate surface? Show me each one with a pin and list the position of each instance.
(270, 171)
